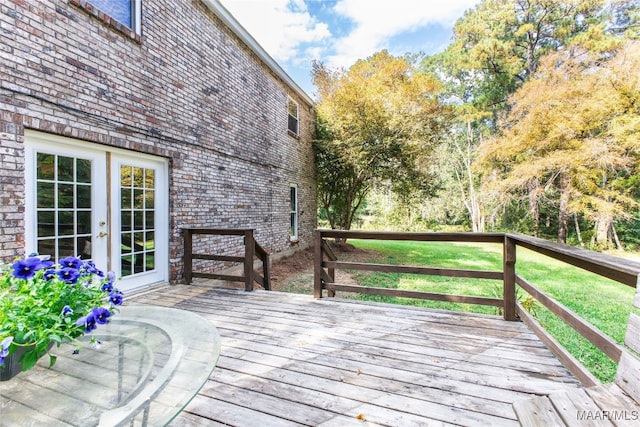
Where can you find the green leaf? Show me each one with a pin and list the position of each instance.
(55, 338)
(29, 360)
(52, 360)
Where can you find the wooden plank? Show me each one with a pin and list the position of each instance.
(417, 237)
(628, 375)
(359, 392)
(575, 367)
(537, 411)
(594, 335)
(283, 406)
(249, 254)
(220, 231)
(408, 269)
(632, 336)
(577, 408)
(509, 279)
(394, 380)
(337, 359)
(230, 414)
(326, 247)
(215, 276)
(619, 269)
(428, 336)
(414, 294)
(218, 257)
(616, 405)
(317, 264)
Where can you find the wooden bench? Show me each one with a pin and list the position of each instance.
(614, 404)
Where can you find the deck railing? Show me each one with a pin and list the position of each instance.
(617, 269)
(251, 250)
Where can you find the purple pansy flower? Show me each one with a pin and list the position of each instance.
(4, 348)
(116, 297)
(112, 277)
(67, 311)
(26, 268)
(69, 275)
(88, 321)
(91, 268)
(101, 315)
(71, 262)
(50, 274)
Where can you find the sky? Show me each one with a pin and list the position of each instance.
(339, 32)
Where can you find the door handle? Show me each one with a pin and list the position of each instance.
(102, 234)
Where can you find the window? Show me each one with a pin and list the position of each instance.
(293, 117)
(126, 12)
(293, 230)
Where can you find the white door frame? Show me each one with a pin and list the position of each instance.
(105, 202)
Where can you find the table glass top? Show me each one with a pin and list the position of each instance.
(151, 363)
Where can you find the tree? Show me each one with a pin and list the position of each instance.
(574, 129)
(377, 121)
(497, 47)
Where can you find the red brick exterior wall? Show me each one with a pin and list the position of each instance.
(186, 89)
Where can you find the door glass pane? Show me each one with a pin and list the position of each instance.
(46, 195)
(137, 190)
(46, 166)
(63, 211)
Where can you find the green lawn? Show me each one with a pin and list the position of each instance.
(602, 302)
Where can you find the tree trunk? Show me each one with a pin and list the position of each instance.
(563, 211)
(578, 232)
(534, 206)
(473, 204)
(603, 237)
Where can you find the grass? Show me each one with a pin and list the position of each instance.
(602, 302)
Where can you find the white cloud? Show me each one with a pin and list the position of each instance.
(280, 26)
(376, 21)
(343, 31)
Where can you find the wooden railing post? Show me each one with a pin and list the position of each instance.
(249, 252)
(266, 274)
(188, 256)
(317, 264)
(509, 281)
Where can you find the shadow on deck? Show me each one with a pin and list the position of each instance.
(294, 360)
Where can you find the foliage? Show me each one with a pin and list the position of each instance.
(498, 46)
(575, 129)
(377, 122)
(42, 304)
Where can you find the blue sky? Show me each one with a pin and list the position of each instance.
(339, 32)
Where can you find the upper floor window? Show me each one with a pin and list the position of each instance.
(126, 12)
(293, 117)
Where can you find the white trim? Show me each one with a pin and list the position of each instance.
(161, 272)
(225, 16)
(137, 17)
(56, 144)
(294, 237)
(290, 100)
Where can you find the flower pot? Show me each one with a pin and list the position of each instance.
(12, 366)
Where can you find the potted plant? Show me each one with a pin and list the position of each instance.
(44, 304)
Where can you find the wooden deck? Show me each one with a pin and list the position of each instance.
(294, 360)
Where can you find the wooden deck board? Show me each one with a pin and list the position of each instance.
(292, 360)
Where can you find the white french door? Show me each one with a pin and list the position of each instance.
(139, 220)
(104, 205)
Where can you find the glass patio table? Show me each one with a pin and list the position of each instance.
(151, 362)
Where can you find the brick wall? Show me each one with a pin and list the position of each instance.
(186, 89)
